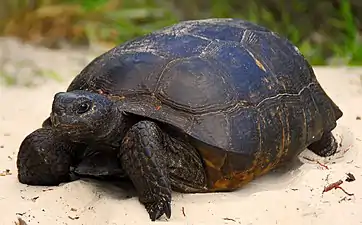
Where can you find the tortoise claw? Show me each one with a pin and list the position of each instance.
(158, 208)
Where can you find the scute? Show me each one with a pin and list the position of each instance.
(215, 31)
(122, 74)
(281, 59)
(244, 137)
(251, 83)
(190, 84)
(167, 45)
(226, 29)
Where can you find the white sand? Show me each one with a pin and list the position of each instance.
(294, 197)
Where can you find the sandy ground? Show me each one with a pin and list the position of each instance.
(292, 196)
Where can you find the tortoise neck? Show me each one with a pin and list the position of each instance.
(118, 127)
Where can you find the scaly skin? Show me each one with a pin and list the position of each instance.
(141, 155)
(154, 166)
(326, 146)
(44, 158)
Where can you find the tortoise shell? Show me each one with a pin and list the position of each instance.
(243, 95)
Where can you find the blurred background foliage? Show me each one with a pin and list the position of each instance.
(326, 31)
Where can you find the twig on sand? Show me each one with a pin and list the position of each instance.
(332, 185)
(73, 218)
(336, 185)
(316, 161)
(322, 165)
(229, 219)
(20, 222)
(183, 211)
(347, 149)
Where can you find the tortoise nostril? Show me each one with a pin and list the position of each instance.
(60, 102)
(58, 109)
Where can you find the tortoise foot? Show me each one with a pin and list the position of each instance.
(44, 159)
(158, 208)
(326, 146)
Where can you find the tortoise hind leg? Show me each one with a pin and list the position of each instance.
(326, 146)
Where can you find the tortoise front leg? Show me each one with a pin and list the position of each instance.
(44, 158)
(156, 162)
(141, 158)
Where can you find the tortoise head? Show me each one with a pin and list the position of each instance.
(83, 116)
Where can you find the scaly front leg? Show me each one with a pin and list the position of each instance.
(44, 158)
(141, 157)
(159, 161)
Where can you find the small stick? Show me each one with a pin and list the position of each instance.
(316, 161)
(347, 149)
(305, 157)
(332, 186)
(183, 211)
(336, 185)
(322, 165)
(349, 194)
(229, 219)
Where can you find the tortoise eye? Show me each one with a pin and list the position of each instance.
(83, 108)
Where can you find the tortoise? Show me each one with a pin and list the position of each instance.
(200, 106)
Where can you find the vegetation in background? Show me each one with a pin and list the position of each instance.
(326, 31)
